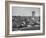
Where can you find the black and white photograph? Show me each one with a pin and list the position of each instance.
(25, 18)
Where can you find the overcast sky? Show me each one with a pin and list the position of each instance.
(25, 11)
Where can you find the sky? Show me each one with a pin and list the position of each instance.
(25, 11)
